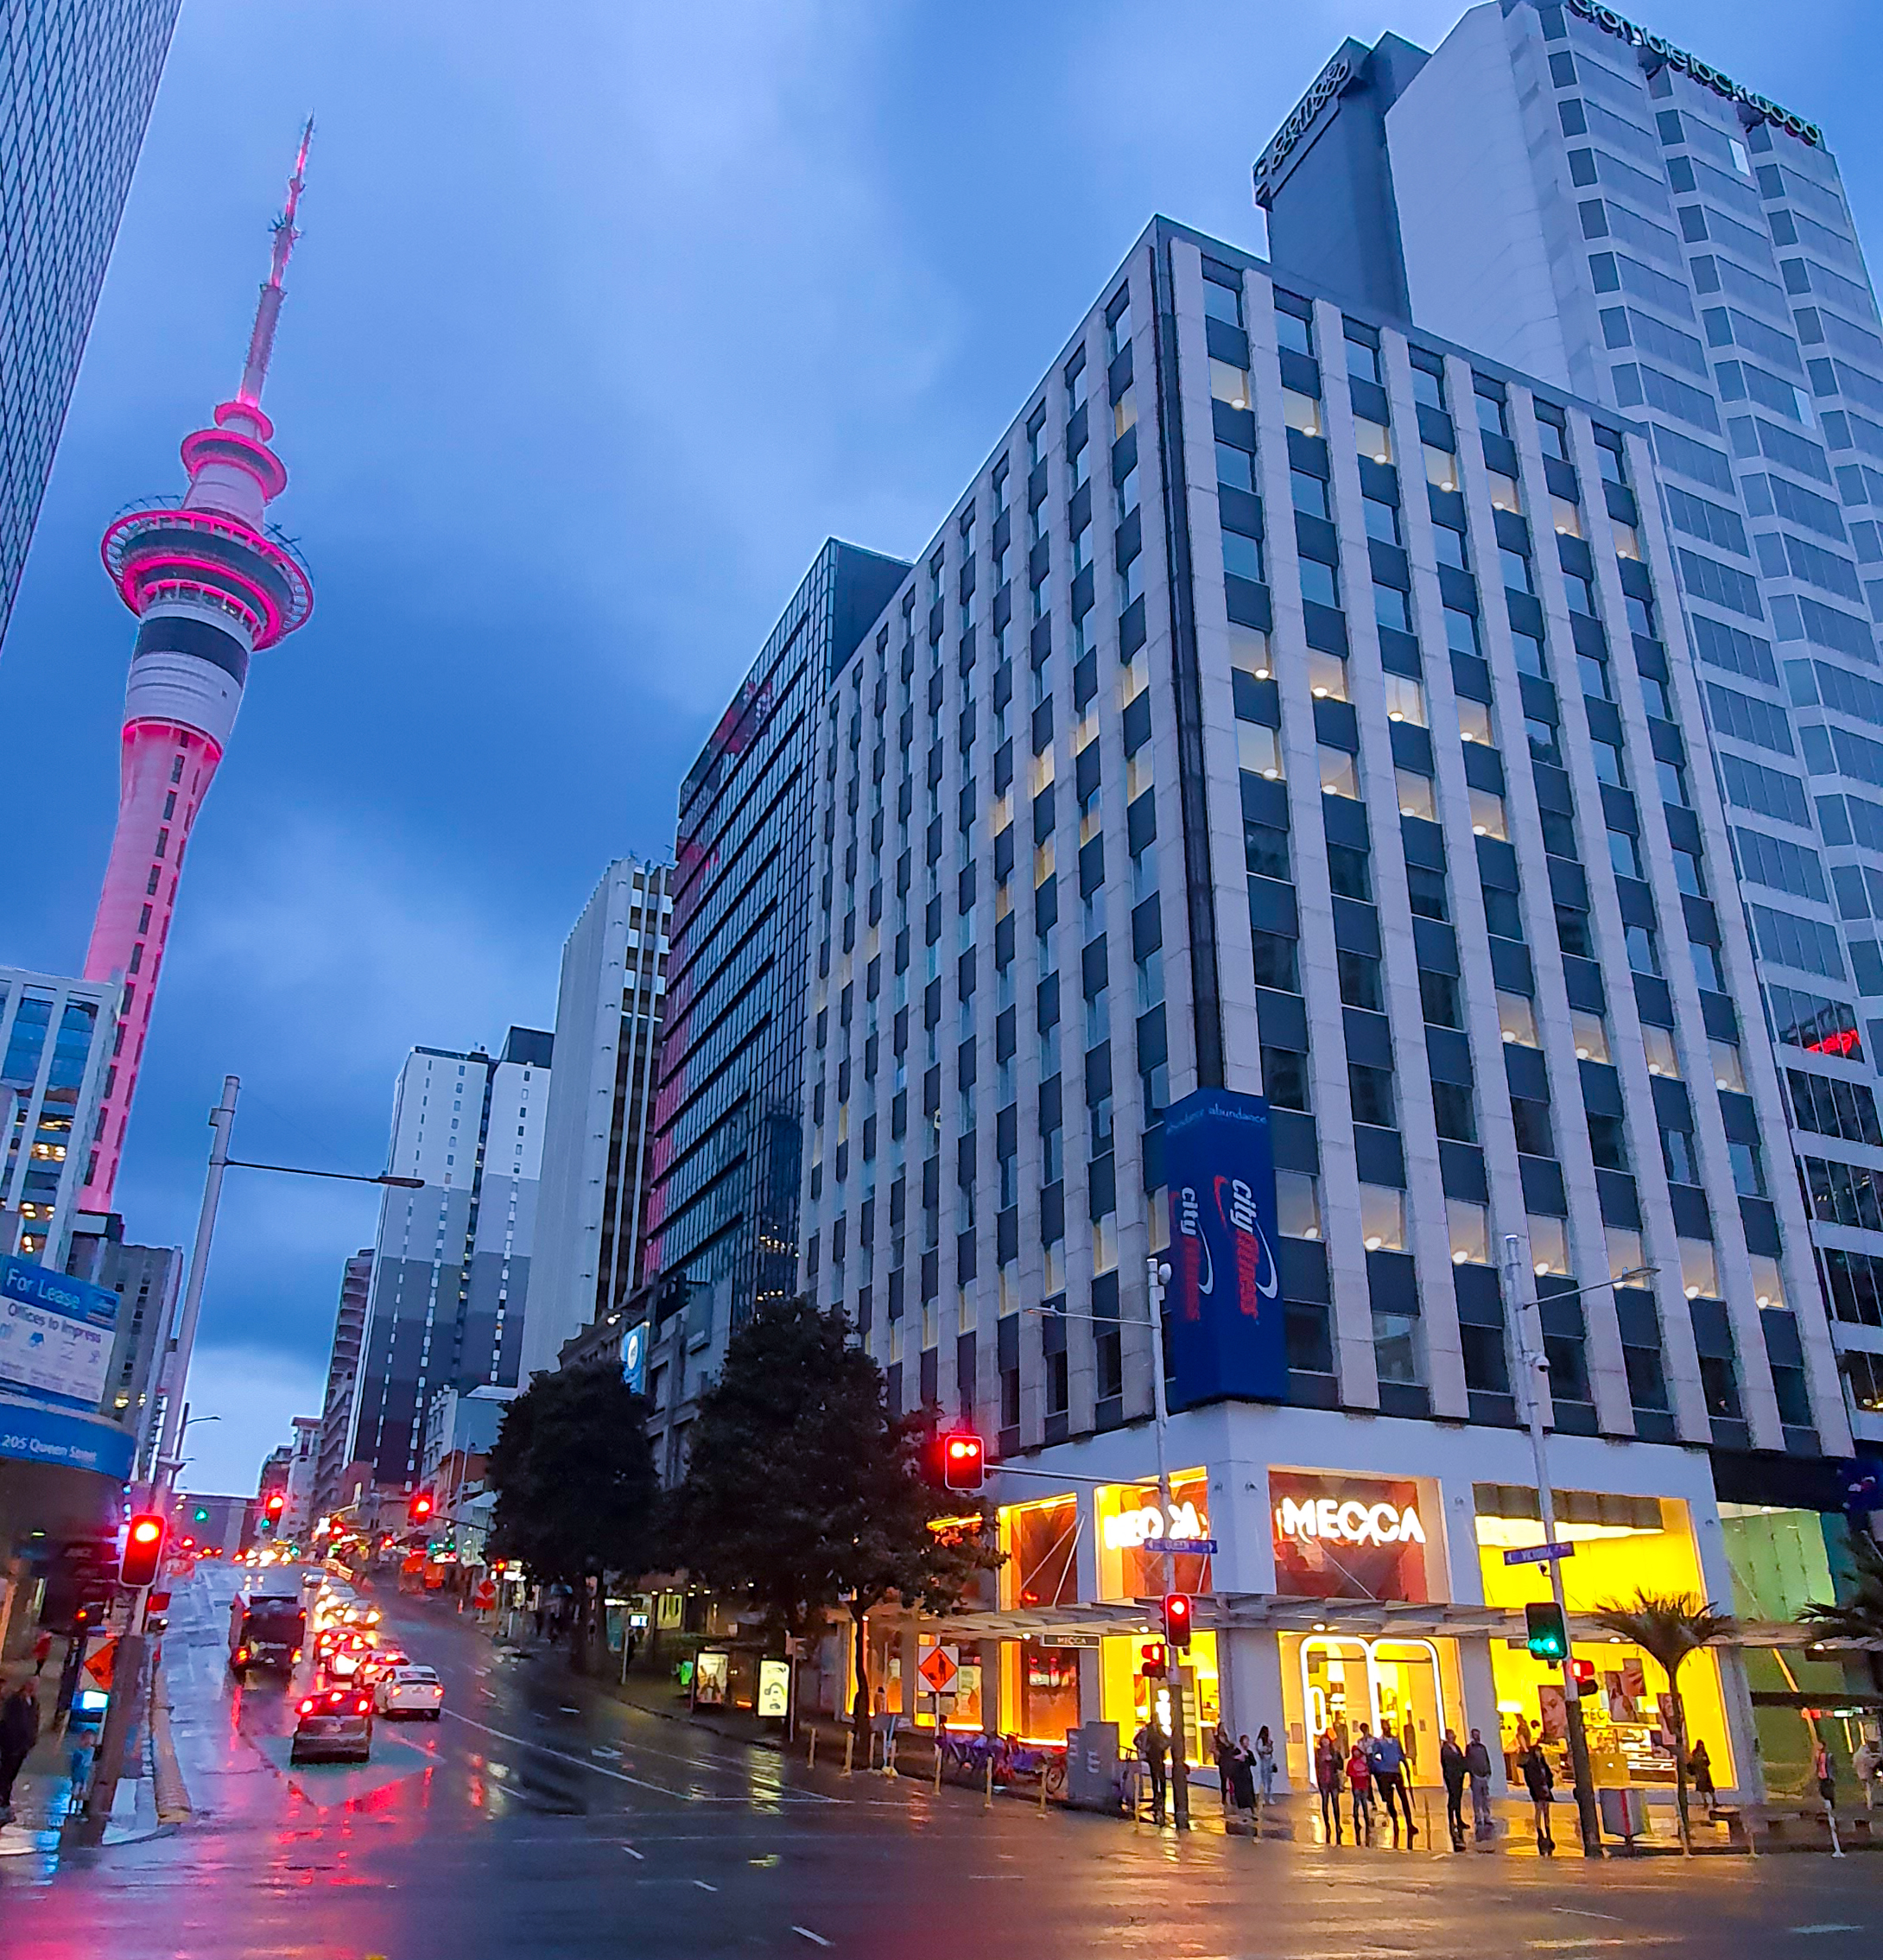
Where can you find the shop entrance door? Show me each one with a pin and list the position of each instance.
(1346, 1680)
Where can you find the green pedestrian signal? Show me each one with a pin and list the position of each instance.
(1547, 1637)
(202, 1516)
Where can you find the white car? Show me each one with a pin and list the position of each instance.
(411, 1690)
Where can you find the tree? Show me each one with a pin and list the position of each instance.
(1668, 1627)
(577, 1498)
(1860, 1617)
(803, 1490)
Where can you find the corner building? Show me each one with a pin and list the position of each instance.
(1565, 189)
(1302, 707)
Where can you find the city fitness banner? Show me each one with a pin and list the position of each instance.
(1223, 1306)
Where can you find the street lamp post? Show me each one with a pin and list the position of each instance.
(1534, 1367)
(1158, 1273)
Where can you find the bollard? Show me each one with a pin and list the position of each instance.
(810, 1761)
(1425, 1812)
(987, 1799)
(849, 1748)
(938, 1763)
(1043, 1788)
(889, 1755)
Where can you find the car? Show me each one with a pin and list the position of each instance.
(334, 1726)
(410, 1691)
(379, 1663)
(348, 1654)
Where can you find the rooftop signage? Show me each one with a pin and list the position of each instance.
(1678, 59)
(1328, 84)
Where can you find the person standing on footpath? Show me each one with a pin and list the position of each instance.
(1478, 1768)
(19, 1730)
(1700, 1769)
(1327, 1780)
(1389, 1777)
(1154, 1747)
(1451, 1766)
(1540, 1780)
(1222, 1747)
(1265, 1762)
(1241, 1774)
(1359, 1781)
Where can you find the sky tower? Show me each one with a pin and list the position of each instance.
(209, 588)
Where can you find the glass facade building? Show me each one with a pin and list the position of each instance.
(77, 80)
(722, 1207)
(1301, 705)
(55, 1043)
(1559, 187)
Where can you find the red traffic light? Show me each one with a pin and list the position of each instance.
(964, 1465)
(143, 1550)
(1582, 1672)
(1152, 1660)
(1176, 1620)
(419, 1509)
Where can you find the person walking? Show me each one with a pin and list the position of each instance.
(1265, 1762)
(1389, 1779)
(1241, 1778)
(1451, 1768)
(1864, 1765)
(1327, 1780)
(42, 1650)
(1154, 1750)
(1540, 1780)
(1825, 1773)
(1478, 1768)
(1700, 1770)
(19, 1730)
(1359, 1784)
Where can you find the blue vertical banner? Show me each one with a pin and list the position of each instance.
(1223, 1307)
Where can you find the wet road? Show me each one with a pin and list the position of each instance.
(537, 1820)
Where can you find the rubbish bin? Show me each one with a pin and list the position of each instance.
(1624, 1812)
(1092, 1779)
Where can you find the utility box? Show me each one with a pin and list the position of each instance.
(1092, 1778)
(1624, 1812)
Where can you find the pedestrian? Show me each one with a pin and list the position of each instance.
(1864, 1766)
(536, 1612)
(1359, 1784)
(81, 1749)
(42, 1650)
(1241, 1782)
(19, 1730)
(1540, 1781)
(1222, 1747)
(1327, 1780)
(1154, 1749)
(1451, 1768)
(1478, 1768)
(1265, 1762)
(1389, 1779)
(1700, 1769)
(1825, 1773)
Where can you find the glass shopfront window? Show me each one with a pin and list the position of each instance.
(1622, 1545)
(1128, 1517)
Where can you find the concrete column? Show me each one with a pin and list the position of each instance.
(1480, 1704)
(911, 1652)
(1748, 1766)
(1252, 1674)
(990, 1687)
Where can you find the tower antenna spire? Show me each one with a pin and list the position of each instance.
(268, 307)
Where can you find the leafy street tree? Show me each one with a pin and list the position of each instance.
(802, 1491)
(1669, 1626)
(1860, 1617)
(577, 1498)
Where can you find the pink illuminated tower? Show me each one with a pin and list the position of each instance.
(209, 588)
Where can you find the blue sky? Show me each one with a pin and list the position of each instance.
(604, 316)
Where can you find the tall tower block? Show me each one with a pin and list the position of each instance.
(210, 587)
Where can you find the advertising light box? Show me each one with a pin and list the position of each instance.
(55, 1334)
(1224, 1303)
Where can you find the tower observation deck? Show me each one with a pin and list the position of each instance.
(210, 586)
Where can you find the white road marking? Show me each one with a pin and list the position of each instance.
(704, 1887)
(1589, 1940)
(633, 1853)
(1828, 1927)
(815, 1938)
(1576, 1913)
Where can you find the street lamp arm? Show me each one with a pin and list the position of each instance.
(347, 1176)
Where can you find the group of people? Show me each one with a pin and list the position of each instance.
(1240, 1766)
(1371, 1769)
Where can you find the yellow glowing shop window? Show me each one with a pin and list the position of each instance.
(1129, 1517)
(1622, 1545)
(1042, 1544)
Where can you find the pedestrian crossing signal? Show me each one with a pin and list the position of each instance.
(1546, 1637)
(1152, 1660)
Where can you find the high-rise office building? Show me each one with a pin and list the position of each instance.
(595, 1158)
(1284, 770)
(451, 1261)
(722, 1211)
(77, 79)
(1571, 193)
(342, 1375)
(55, 1047)
(210, 584)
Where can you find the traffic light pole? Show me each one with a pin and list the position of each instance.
(1536, 1366)
(1159, 1275)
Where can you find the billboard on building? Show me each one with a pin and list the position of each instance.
(55, 1334)
(1223, 1307)
(634, 1357)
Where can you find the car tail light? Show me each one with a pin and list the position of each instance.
(307, 1708)
(242, 1654)
(364, 1708)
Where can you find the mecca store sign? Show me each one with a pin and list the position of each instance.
(1339, 1536)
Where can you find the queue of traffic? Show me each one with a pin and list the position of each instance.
(286, 1618)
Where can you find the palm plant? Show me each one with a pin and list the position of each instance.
(1860, 1617)
(1669, 1626)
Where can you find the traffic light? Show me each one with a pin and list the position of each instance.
(143, 1550)
(201, 1515)
(418, 1509)
(272, 1508)
(1176, 1622)
(1152, 1660)
(1546, 1637)
(1584, 1673)
(964, 1465)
